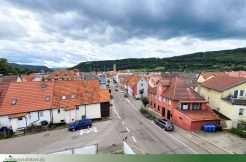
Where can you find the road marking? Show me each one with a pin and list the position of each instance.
(176, 139)
(122, 122)
(127, 129)
(94, 129)
(131, 104)
(116, 112)
(134, 139)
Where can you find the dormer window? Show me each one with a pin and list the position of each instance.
(47, 98)
(63, 98)
(73, 96)
(13, 102)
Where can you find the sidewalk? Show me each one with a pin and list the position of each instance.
(207, 145)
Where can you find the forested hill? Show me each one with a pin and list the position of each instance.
(31, 67)
(225, 60)
(11, 68)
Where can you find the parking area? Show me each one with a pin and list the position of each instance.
(226, 140)
(102, 134)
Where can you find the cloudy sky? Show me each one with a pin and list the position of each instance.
(61, 33)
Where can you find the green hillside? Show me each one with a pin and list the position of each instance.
(225, 60)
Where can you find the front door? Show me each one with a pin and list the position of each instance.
(169, 115)
(163, 112)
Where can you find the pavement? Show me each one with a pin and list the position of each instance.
(143, 136)
(103, 134)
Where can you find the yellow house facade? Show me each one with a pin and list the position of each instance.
(227, 96)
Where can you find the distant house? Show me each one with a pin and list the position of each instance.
(227, 96)
(64, 75)
(28, 103)
(137, 84)
(103, 82)
(176, 101)
(9, 78)
(204, 76)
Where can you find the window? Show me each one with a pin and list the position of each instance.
(73, 96)
(142, 84)
(158, 88)
(13, 102)
(155, 96)
(169, 102)
(63, 97)
(241, 111)
(163, 99)
(58, 110)
(196, 106)
(20, 118)
(241, 93)
(158, 108)
(184, 106)
(154, 105)
(235, 94)
(77, 107)
(47, 98)
(41, 113)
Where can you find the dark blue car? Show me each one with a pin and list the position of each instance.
(80, 124)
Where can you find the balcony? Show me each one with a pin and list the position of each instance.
(235, 101)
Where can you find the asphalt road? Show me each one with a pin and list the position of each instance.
(143, 136)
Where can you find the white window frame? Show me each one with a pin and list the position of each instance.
(41, 113)
(163, 99)
(63, 97)
(169, 102)
(240, 93)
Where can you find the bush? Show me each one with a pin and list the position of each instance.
(143, 111)
(145, 101)
(239, 132)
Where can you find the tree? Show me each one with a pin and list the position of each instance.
(145, 101)
(141, 91)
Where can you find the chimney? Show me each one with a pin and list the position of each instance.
(43, 86)
(84, 83)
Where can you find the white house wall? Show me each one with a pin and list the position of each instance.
(80, 112)
(93, 111)
(35, 118)
(4, 121)
(70, 116)
(142, 84)
(18, 123)
(58, 117)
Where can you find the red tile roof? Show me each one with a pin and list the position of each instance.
(178, 90)
(223, 83)
(85, 91)
(134, 80)
(199, 115)
(104, 95)
(65, 74)
(29, 95)
(209, 74)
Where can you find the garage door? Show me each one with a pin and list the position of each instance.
(93, 111)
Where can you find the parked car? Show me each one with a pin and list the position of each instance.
(122, 91)
(116, 89)
(164, 124)
(80, 124)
